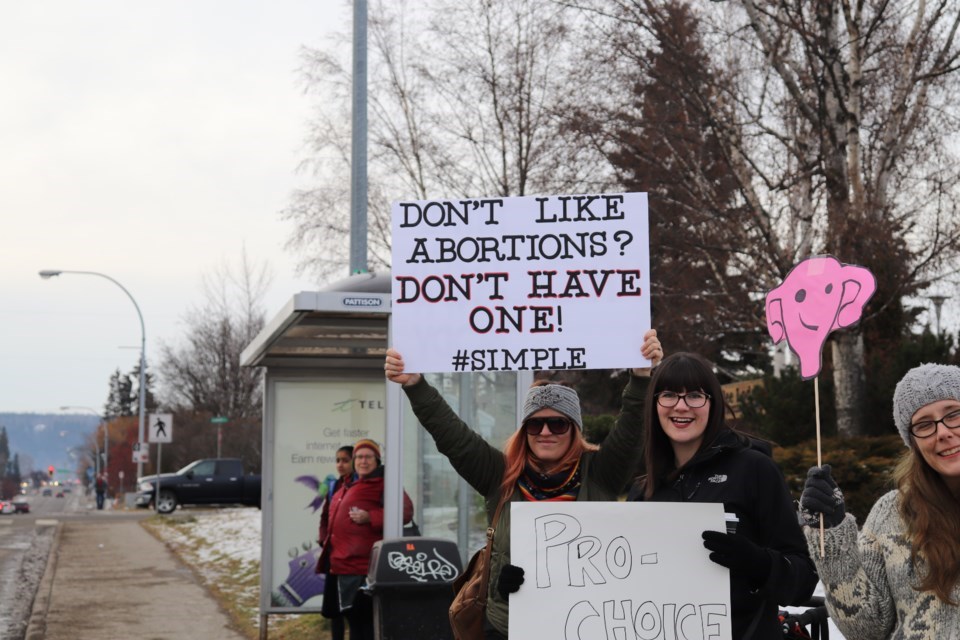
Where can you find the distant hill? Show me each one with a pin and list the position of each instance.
(44, 439)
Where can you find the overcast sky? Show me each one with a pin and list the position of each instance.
(150, 141)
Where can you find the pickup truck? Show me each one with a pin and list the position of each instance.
(208, 481)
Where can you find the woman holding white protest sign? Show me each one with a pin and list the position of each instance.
(546, 459)
(692, 455)
(899, 577)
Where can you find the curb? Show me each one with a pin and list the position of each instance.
(37, 627)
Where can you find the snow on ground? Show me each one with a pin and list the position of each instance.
(234, 533)
(223, 547)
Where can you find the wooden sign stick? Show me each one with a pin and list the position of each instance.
(816, 402)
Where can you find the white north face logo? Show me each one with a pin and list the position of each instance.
(717, 478)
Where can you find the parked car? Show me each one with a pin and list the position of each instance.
(6, 507)
(207, 481)
(21, 504)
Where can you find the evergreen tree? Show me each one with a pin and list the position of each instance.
(662, 143)
(121, 401)
(150, 401)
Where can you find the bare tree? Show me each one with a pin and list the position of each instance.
(832, 118)
(204, 373)
(463, 102)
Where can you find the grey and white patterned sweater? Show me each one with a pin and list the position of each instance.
(868, 579)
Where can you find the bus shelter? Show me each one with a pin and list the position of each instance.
(324, 388)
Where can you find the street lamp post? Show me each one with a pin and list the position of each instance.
(50, 273)
(937, 305)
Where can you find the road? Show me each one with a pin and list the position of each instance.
(25, 541)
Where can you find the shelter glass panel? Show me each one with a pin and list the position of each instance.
(446, 506)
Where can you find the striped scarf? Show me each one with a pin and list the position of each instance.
(563, 486)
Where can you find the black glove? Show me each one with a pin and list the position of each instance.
(745, 559)
(821, 495)
(511, 577)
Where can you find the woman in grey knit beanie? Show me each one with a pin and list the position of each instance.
(899, 577)
(547, 458)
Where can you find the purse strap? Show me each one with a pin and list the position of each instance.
(485, 580)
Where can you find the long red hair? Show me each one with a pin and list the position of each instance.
(517, 454)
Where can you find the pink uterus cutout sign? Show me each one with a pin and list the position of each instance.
(818, 296)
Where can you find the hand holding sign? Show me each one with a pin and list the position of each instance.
(818, 296)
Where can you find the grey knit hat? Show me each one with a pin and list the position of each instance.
(921, 386)
(556, 397)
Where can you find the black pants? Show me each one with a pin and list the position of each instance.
(360, 617)
(331, 608)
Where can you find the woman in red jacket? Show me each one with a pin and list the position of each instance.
(355, 523)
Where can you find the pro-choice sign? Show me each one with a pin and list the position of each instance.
(635, 570)
(525, 283)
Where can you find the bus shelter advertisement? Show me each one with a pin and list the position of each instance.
(523, 283)
(312, 419)
(637, 570)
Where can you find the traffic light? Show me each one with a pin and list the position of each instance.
(50, 470)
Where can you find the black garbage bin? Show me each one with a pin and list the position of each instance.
(411, 580)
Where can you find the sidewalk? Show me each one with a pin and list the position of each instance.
(108, 579)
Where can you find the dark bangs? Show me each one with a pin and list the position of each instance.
(684, 371)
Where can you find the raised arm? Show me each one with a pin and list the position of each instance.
(620, 451)
(474, 459)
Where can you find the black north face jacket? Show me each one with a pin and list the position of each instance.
(749, 484)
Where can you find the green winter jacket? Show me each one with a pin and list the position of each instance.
(605, 472)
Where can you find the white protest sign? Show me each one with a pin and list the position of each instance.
(525, 283)
(593, 568)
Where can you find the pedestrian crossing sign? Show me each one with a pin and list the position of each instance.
(160, 427)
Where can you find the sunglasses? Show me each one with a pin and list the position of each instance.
(557, 426)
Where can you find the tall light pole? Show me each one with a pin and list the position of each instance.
(358, 142)
(50, 273)
(106, 439)
(937, 305)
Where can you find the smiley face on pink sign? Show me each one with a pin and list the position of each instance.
(819, 295)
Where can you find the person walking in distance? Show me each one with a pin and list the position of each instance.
(100, 487)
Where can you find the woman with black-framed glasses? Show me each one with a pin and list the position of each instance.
(546, 459)
(692, 455)
(898, 577)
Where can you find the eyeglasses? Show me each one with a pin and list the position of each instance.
(558, 426)
(365, 457)
(694, 399)
(927, 428)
